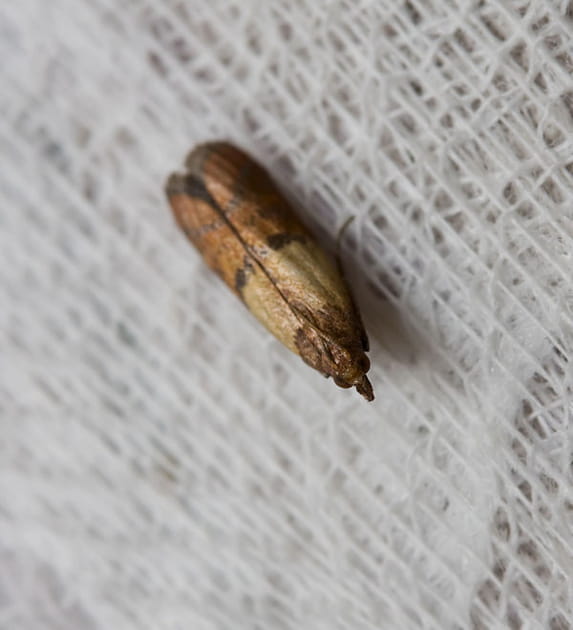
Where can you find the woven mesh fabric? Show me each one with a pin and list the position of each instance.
(165, 463)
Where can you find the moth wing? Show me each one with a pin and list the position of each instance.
(275, 237)
(315, 289)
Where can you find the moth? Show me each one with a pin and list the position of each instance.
(245, 229)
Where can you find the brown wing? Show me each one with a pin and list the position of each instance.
(276, 238)
(246, 230)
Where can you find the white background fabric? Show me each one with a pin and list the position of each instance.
(165, 463)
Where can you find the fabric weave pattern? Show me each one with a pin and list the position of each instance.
(166, 463)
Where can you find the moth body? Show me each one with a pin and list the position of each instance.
(234, 214)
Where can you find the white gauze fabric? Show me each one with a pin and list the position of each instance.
(165, 463)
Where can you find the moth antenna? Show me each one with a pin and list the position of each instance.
(340, 234)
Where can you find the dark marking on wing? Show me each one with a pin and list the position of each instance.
(278, 241)
(195, 187)
(201, 231)
(240, 279)
(242, 274)
(189, 185)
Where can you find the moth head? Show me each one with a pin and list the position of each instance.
(351, 369)
(346, 365)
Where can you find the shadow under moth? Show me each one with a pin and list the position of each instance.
(245, 229)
